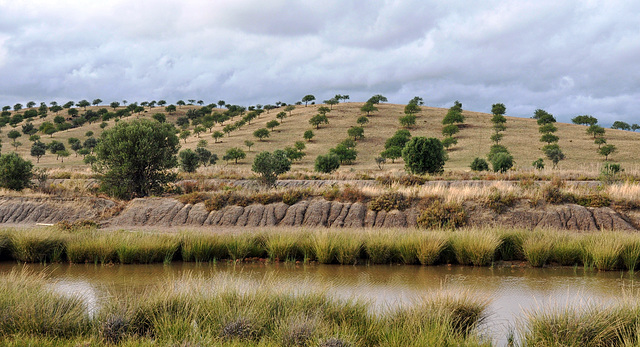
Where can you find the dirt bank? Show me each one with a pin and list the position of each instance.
(169, 212)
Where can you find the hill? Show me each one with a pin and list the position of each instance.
(521, 137)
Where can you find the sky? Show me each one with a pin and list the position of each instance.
(566, 57)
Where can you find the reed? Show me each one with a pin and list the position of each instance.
(429, 247)
(537, 248)
(93, 248)
(140, 248)
(475, 247)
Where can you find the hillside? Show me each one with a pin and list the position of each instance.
(521, 138)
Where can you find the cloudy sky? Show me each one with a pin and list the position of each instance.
(567, 57)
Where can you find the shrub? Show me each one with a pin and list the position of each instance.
(538, 164)
(502, 162)
(442, 216)
(189, 160)
(389, 201)
(327, 163)
(424, 155)
(479, 164)
(499, 202)
(15, 172)
(290, 197)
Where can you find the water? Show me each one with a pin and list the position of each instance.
(512, 291)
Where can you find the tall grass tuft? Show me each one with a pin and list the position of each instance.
(430, 246)
(93, 248)
(567, 249)
(537, 248)
(475, 246)
(139, 248)
(348, 249)
(586, 325)
(28, 307)
(407, 247)
(380, 246)
(603, 251)
(282, 245)
(511, 244)
(202, 247)
(240, 246)
(631, 252)
(37, 245)
(324, 246)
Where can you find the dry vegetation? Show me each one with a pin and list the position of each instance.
(521, 137)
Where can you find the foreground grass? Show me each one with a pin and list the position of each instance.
(610, 250)
(218, 311)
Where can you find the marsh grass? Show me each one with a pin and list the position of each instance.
(511, 241)
(630, 254)
(537, 248)
(36, 245)
(475, 247)
(567, 249)
(283, 245)
(429, 247)
(380, 246)
(323, 245)
(142, 248)
(602, 251)
(586, 325)
(202, 247)
(348, 248)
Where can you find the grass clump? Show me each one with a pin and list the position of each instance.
(511, 242)
(380, 247)
(430, 246)
(348, 249)
(37, 245)
(603, 251)
(449, 215)
(475, 247)
(537, 249)
(567, 249)
(202, 247)
(323, 245)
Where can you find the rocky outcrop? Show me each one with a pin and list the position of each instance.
(167, 212)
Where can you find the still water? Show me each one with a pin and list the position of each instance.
(512, 291)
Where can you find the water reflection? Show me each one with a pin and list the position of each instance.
(511, 290)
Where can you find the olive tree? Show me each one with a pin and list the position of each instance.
(15, 172)
(424, 155)
(134, 158)
(269, 165)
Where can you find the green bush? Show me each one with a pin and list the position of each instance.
(269, 165)
(479, 164)
(389, 201)
(502, 162)
(15, 172)
(327, 163)
(424, 155)
(442, 216)
(189, 160)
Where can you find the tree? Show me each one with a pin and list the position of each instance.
(63, 154)
(362, 120)
(234, 153)
(29, 129)
(248, 143)
(547, 128)
(96, 102)
(289, 108)
(134, 158)
(160, 117)
(228, 129)
(323, 110)
(30, 104)
(73, 112)
(189, 160)
(496, 138)
(600, 141)
(347, 155)
(272, 124)
(261, 133)
(411, 108)
(308, 98)
(15, 172)
(318, 119)
(453, 116)
(368, 108)
(184, 135)
(479, 164)
(498, 109)
(114, 105)
(585, 120)
(620, 125)
(47, 128)
(38, 149)
(83, 104)
(331, 102)
(450, 130)
(14, 134)
(327, 163)
(424, 155)
(606, 151)
(553, 153)
(356, 132)
(55, 147)
(217, 135)
(90, 144)
(161, 103)
(549, 138)
(17, 107)
(308, 135)
(502, 162)
(204, 155)
(68, 104)
(198, 130)
(281, 116)
(269, 165)
(449, 141)
(393, 153)
(376, 99)
(170, 109)
(495, 149)
(180, 103)
(407, 121)
(399, 139)
(595, 130)
(221, 103)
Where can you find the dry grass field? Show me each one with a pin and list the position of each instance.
(521, 138)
